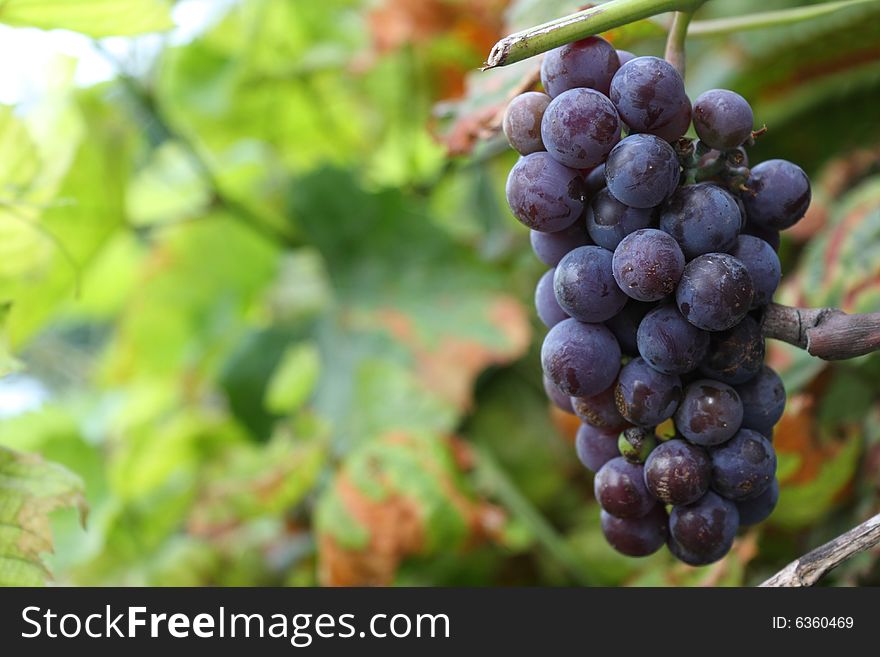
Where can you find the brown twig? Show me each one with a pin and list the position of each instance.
(827, 333)
(808, 569)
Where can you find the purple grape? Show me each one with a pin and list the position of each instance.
(625, 325)
(555, 395)
(594, 181)
(647, 264)
(543, 194)
(769, 235)
(642, 171)
(762, 264)
(550, 248)
(709, 413)
(744, 466)
(609, 220)
(522, 121)
(778, 194)
(758, 509)
(548, 309)
(595, 447)
(636, 537)
(600, 411)
(645, 396)
(620, 489)
(715, 292)
(763, 399)
(669, 343)
(590, 63)
(723, 119)
(581, 359)
(649, 94)
(585, 287)
(703, 532)
(735, 355)
(678, 125)
(677, 472)
(624, 56)
(703, 218)
(580, 127)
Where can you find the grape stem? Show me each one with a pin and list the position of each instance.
(541, 38)
(827, 333)
(675, 42)
(808, 569)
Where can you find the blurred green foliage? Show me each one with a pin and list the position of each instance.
(284, 337)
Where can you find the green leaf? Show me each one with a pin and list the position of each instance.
(96, 18)
(30, 489)
(295, 379)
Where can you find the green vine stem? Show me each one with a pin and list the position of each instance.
(555, 33)
(675, 43)
(721, 26)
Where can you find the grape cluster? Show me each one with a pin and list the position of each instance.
(662, 256)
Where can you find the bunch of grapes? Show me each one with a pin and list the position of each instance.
(662, 256)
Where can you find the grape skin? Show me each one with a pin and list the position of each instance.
(769, 235)
(649, 94)
(723, 119)
(550, 248)
(715, 292)
(594, 181)
(642, 171)
(644, 396)
(625, 325)
(735, 355)
(585, 287)
(556, 396)
(677, 472)
(758, 509)
(778, 194)
(580, 127)
(710, 412)
(703, 532)
(636, 537)
(703, 218)
(590, 63)
(609, 220)
(669, 343)
(546, 305)
(744, 466)
(581, 359)
(648, 264)
(522, 122)
(763, 399)
(762, 264)
(595, 446)
(620, 489)
(543, 194)
(624, 56)
(600, 411)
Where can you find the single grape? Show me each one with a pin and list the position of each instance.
(624, 56)
(590, 63)
(758, 509)
(715, 292)
(609, 220)
(548, 309)
(595, 447)
(703, 532)
(581, 359)
(744, 466)
(669, 343)
(762, 264)
(649, 95)
(585, 287)
(678, 125)
(723, 119)
(735, 355)
(580, 127)
(778, 194)
(600, 411)
(636, 537)
(620, 489)
(647, 264)
(642, 171)
(522, 121)
(709, 413)
(677, 472)
(550, 248)
(763, 399)
(594, 181)
(645, 396)
(555, 395)
(543, 194)
(703, 218)
(625, 325)
(769, 235)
